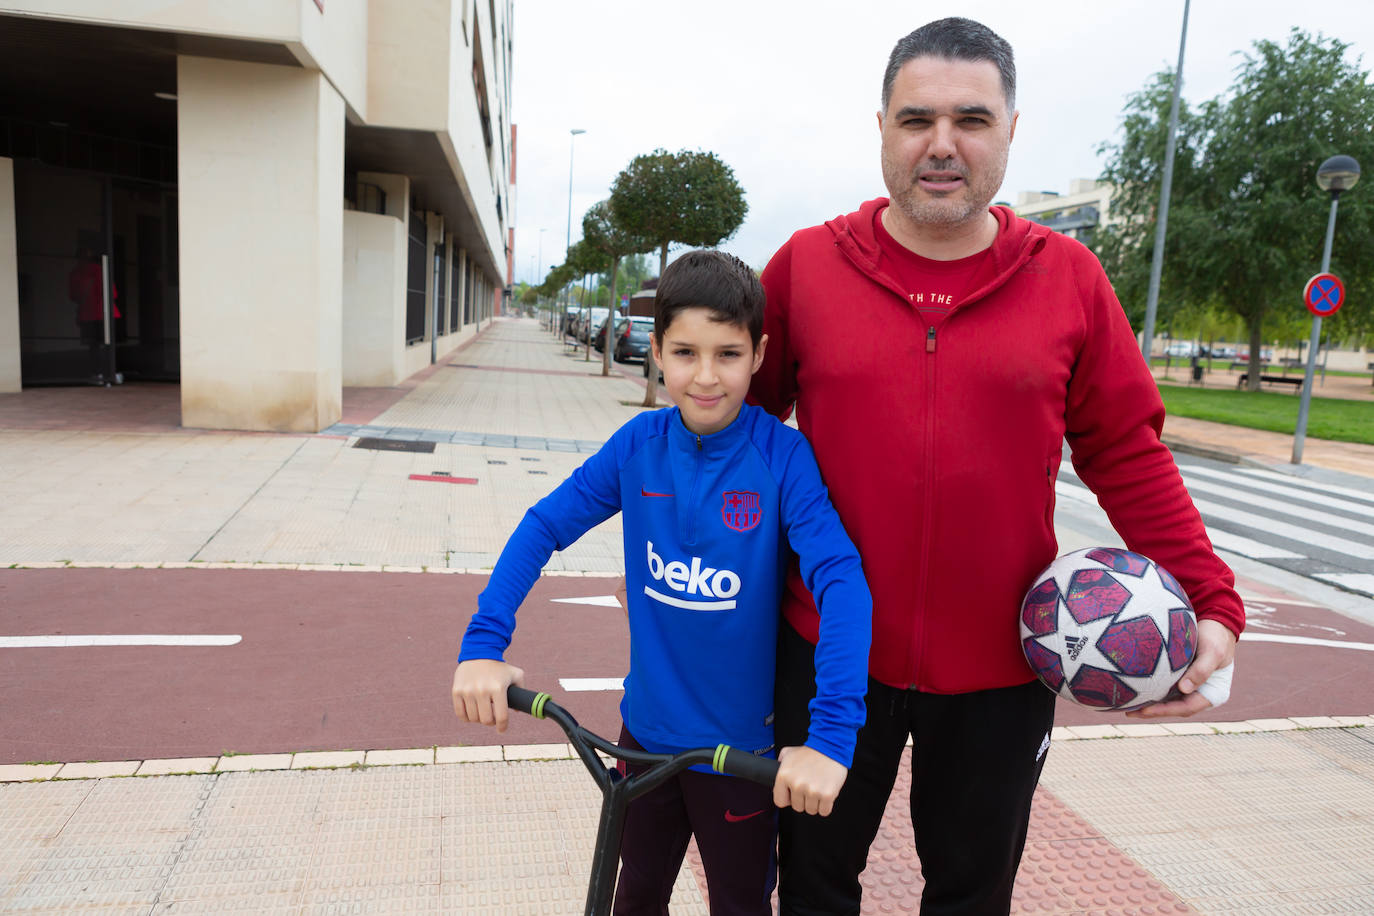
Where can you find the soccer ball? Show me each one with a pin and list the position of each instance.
(1108, 629)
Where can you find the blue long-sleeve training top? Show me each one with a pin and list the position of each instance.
(708, 521)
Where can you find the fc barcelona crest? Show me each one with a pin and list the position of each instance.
(741, 510)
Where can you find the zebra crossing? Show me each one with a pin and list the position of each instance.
(1321, 530)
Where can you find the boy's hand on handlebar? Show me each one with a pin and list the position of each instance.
(808, 781)
(479, 691)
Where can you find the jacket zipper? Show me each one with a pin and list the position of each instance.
(922, 595)
(692, 510)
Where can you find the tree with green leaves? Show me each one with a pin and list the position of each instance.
(585, 259)
(1246, 219)
(688, 198)
(602, 233)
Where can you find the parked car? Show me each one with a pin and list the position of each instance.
(591, 320)
(575, 322)
(1223, 351)
(1183, 349)
(569, 319)
(599, 335)
(632, 338)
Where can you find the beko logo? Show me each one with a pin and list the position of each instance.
(692, 579)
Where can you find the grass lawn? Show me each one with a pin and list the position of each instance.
(1327, 418)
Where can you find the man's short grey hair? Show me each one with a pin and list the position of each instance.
(954, 38)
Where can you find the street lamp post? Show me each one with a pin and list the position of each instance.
(539, 277)
(1336, 176)
(1165, 189)
(567, 242)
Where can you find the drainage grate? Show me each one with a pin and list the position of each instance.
(395, 445)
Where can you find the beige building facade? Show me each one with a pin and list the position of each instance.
(262, 201)
(1077, 214)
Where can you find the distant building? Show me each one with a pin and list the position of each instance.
(1076, 214)
(290, 196)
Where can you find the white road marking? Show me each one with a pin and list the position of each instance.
(595, 600)
(1267, 600)
(1355, 582)
(1078, 494)
(1284, 488)
(1247, 636)
(1284, 530)
(1223, 539)
(1248, 548)
(575, 684)
(66, 642)
(1285, 508)
(1305, 484)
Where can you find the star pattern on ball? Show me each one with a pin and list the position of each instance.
(1106, 628)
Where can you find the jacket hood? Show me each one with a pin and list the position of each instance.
(1018, 240)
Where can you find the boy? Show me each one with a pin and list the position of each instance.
(713, 493)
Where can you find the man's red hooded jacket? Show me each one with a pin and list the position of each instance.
(940, 442)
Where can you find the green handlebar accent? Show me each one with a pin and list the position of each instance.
(718, 761)
(537, 707)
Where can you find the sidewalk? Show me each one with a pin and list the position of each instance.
(1274, 450)
(1269, 815)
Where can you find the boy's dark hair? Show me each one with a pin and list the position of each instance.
(954, 38)
(711, 280)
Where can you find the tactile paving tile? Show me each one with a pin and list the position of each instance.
(116, 848)
(1068, 866)
(1235, 823)
(381, 794)
(272, 798)
(234, 865)
(518, 838)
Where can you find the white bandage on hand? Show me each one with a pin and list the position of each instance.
(1217, 688)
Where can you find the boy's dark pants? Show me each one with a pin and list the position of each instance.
(975, 761)
(736, 826)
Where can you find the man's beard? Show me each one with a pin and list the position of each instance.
(923, 208)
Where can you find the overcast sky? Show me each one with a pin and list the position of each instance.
(785, 92)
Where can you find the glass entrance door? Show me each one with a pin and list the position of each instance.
(72, 226)
(60, 222)
(143, 228)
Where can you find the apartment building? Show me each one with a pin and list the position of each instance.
(262, 201)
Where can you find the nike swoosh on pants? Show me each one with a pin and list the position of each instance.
(733, 818)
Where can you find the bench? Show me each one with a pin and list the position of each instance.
(1294, 381)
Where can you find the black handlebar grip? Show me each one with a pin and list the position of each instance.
(762, 770)
(526, 700)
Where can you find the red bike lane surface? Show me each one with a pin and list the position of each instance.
(327, 661)
(333, 660)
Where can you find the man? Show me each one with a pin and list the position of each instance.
(938, 353)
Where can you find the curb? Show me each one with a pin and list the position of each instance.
(508, 753)
(1200, 450)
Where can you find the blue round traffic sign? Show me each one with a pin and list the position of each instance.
(1323, 294)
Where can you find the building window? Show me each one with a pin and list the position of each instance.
(479, 86)
(415, 279)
